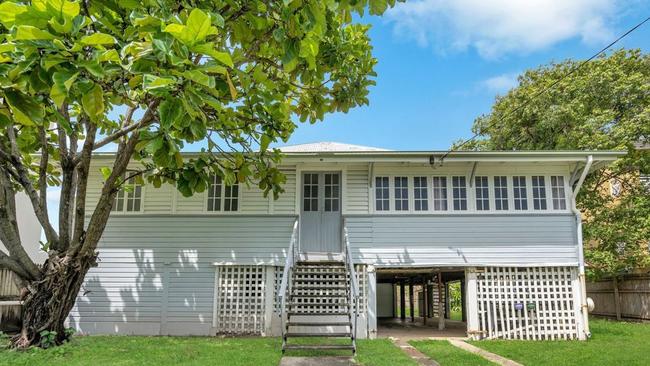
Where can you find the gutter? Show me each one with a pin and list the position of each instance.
(581, 258)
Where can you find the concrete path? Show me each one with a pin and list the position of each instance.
(317, 361)
(499, 360)
(419, 357)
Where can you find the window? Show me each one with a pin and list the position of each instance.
(382, 201)
(615, 187)
(482, 193)
(332, 192)
(440, 193)
(519, 192)
(558, 193)
(501, 192)
(459, 193)
(222, 197)
(129, 198)
(310, 192)
(420, 194)
(401, 193)
(539, 193)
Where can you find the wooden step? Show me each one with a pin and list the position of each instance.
(319, 347)
(323, 288)
(319, 280)
(328, 335)
(308, 304)
(343, 295)
(303, 313)
(318, 324)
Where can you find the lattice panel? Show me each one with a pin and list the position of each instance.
(276, 289)
(527, 303)
(239, 299)
(362, 278)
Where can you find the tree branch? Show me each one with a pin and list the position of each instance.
(128, 127)
(82, 182)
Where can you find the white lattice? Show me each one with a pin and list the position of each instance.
(527, 303)
(239, 299)
(362, 278)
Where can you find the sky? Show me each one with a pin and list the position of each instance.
(441, 63)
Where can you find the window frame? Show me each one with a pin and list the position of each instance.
(124, 199)
(564, 198)
(222, 199)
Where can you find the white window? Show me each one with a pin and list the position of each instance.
(482, 193)
(519, 192)
(129, 197)
(440, 193)
(332, 192)
(501, 193)
(401, 193)
(459, 193)
(558, 193)
(420, 194)
(222, 197)
(310, 192)
(382, 200)
(539, 192)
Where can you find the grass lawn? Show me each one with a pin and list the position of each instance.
(612, 343)
(447, 355)
(159, 351)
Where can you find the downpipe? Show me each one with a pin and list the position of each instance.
(581, 258)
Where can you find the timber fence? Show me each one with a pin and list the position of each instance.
(626, 298)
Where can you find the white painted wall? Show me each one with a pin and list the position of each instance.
(30, 229)
(385, 300)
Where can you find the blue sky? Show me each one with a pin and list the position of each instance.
(441, 63)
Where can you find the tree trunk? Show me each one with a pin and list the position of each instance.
(49, 300)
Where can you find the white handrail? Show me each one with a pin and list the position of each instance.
(288, 264)
(354, 284)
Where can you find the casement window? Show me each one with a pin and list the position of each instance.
(482, 193)
(440, 193)
(558, 193)
(382, 191)
(332, 192)
(129, 197)
(222, 197)
(501, 193)
(539, 192)
(519, 192)
(459, 193)
(401, 193)
(420, 194)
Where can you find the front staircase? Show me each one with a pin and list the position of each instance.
(318, 298)
(320, 305)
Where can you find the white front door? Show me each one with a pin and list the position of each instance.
(320, 214)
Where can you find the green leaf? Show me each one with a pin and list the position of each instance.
(28, 33)
(63, 81)
(150, 82)
(26, 109)
(199, 24)
(170, 111)
(97, 39)
(110, 55)
(106, 172)
(209, 49)
(200, 78)
(93, 102)
(231, 87)
(8, 12)
(378, 7)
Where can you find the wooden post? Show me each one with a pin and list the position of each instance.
(425, 301)
(402, 301)
(463, 300)
(411, 302)
(447, 301)
(471, 301)
(441, 304)
(617, 299)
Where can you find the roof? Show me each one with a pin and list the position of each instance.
(326, 146)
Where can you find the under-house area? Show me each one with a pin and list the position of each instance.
(421, 302)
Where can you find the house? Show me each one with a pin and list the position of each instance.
(230, 261)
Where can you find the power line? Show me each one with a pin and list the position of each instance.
(550, 86)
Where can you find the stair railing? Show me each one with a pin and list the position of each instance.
(286, 273)
(354, 284)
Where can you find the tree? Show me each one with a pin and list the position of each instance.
(604, 105)
(149, 77)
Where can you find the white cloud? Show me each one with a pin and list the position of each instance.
(500, 84)
(498, 27)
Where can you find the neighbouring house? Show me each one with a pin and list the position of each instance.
(354, 224)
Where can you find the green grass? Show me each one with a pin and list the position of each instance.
(160, 351)
(456, 315)
(612, 343)
(447, 355)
